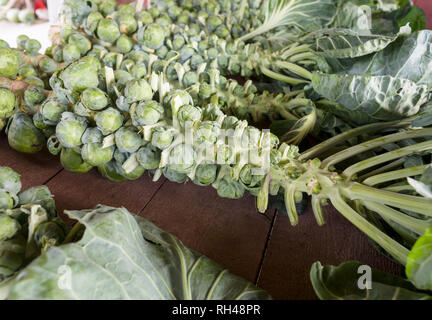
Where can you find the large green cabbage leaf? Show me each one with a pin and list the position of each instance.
(121, 256)
(341, 283)
(390, 84)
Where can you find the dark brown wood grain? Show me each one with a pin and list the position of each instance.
(229, 231)
(35, 169)
(292, 251)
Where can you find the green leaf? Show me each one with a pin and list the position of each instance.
(419, 264)
(341, 283)
(297, 16)
(380, 97)
(125, 257)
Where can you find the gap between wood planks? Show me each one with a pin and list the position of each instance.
(260, 266)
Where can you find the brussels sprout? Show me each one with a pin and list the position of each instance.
(249, 179)
(148, 157)
(48, 65)
(92, 21)
(50, 233)
(54, 146)
(8, 103)
(26, 16)
(138, 90)
(213, 22)
(162, 137)
(39, 195)
(34, 81)
(205, 91)
(127, 23)
(73, 162)
(188, 113)
(154, 11)
(144, 17)
(122, 77)
(57, 53)
(182, 158)
(190, 78)
(23, 136)
(8, 200)
(65, 32)
(8, 227)
(205, 174)
(147, 113)
(12, 254)
(222, 32)
(38, 121)
(32, 46)
(126, 9)
(70, 130)
(162, 52)
(186, 53)
(207, 132)
(51, 111)
(138, 56)
(34, 96)
(178, 42)
(92, 135)
(174, 176)
(107, 30)
(81, 74)
(12, 15)
(94, 99)
(152, 36)
(110, 59)
(127, 140)
(27, 70)
(3, 44)
(139, 71)
(107, 7)
(109, 171)
(95, 154)
(71, 52)
(109, 120)
(228, 188)
(124, 44)
(21, 41)
(163, 21)
(10, 180)
(120, 159)
(9, 62)
(83, 44)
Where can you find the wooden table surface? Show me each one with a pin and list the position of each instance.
(264, 250)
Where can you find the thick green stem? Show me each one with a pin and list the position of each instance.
(369, 145)
(386, 168)
(317, 210)
(296, 69)
(399, 252)
(417, 225)
(388, 156)
(358, 191)
(394, 175)
(277, 76)
(343, 137)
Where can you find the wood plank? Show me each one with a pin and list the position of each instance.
(35, 169)
(85, 191)
(230, 232)
(292, 250)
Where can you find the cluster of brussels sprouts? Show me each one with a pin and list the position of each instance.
(128, 125)
(28, 223)
(205, 35)
(9, 11)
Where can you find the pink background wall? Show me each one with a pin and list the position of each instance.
(427, 7)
